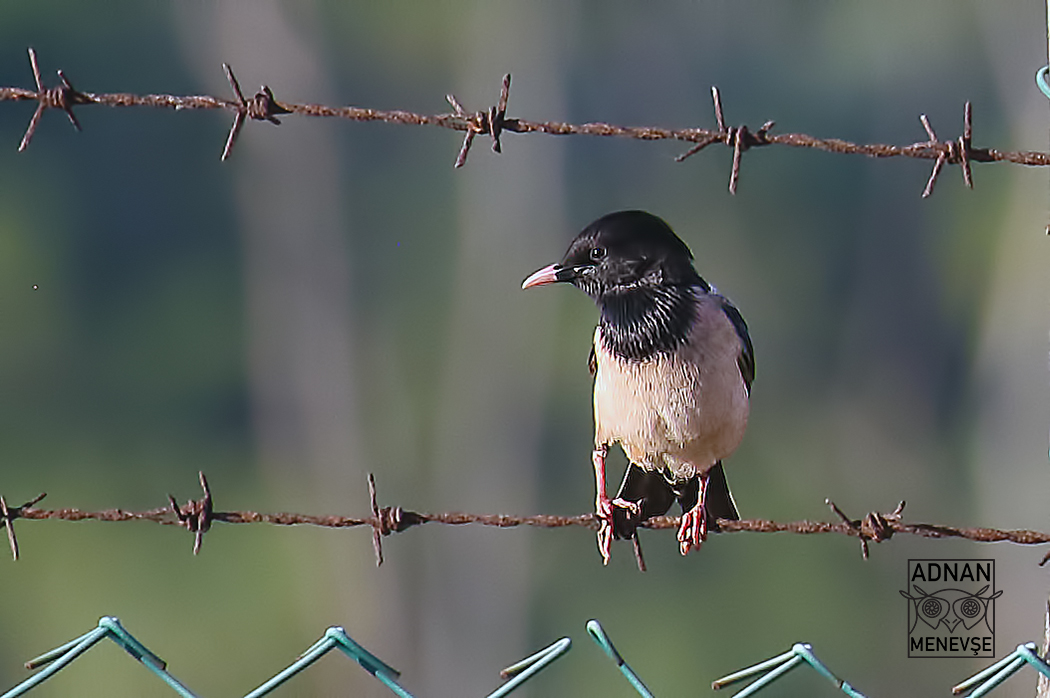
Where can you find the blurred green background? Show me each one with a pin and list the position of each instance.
(336, 300)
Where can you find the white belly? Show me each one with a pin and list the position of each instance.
(684, 411)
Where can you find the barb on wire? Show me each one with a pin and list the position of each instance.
(198, 516)
(739, 138)
(953, 152)
(261, 107)
(874, 526)
(61, 97)
(489, 122)
(494, 122)
(9, 514)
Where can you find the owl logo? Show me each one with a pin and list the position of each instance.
(950, 607)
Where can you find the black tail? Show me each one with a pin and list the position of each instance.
(719, 501)
(650, 490)
(655, 495)
(718, 504)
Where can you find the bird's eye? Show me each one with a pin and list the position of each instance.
(597, 253)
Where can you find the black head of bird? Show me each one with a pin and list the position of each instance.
(620, 253)
(642, 277)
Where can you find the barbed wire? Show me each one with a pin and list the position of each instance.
(493, 122)
(197, 516)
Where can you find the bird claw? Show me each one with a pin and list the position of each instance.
(692, 531)
(605, 540)
(630, 506)
(604, 512)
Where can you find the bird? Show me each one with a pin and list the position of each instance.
(673, 363)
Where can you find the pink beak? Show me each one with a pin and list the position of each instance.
(547, 275)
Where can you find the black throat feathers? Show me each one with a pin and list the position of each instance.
(642, 321)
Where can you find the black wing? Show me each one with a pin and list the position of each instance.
(746, 360)
(592, 361)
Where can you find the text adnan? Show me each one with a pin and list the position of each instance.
(933, 571)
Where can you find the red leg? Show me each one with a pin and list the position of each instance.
(603, 506)
(693, 529)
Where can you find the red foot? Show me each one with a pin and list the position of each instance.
(692, 531)
(604, 511)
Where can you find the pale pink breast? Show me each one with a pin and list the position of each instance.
(685, 411)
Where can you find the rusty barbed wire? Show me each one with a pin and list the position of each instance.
(198, 517)
(493, 122)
